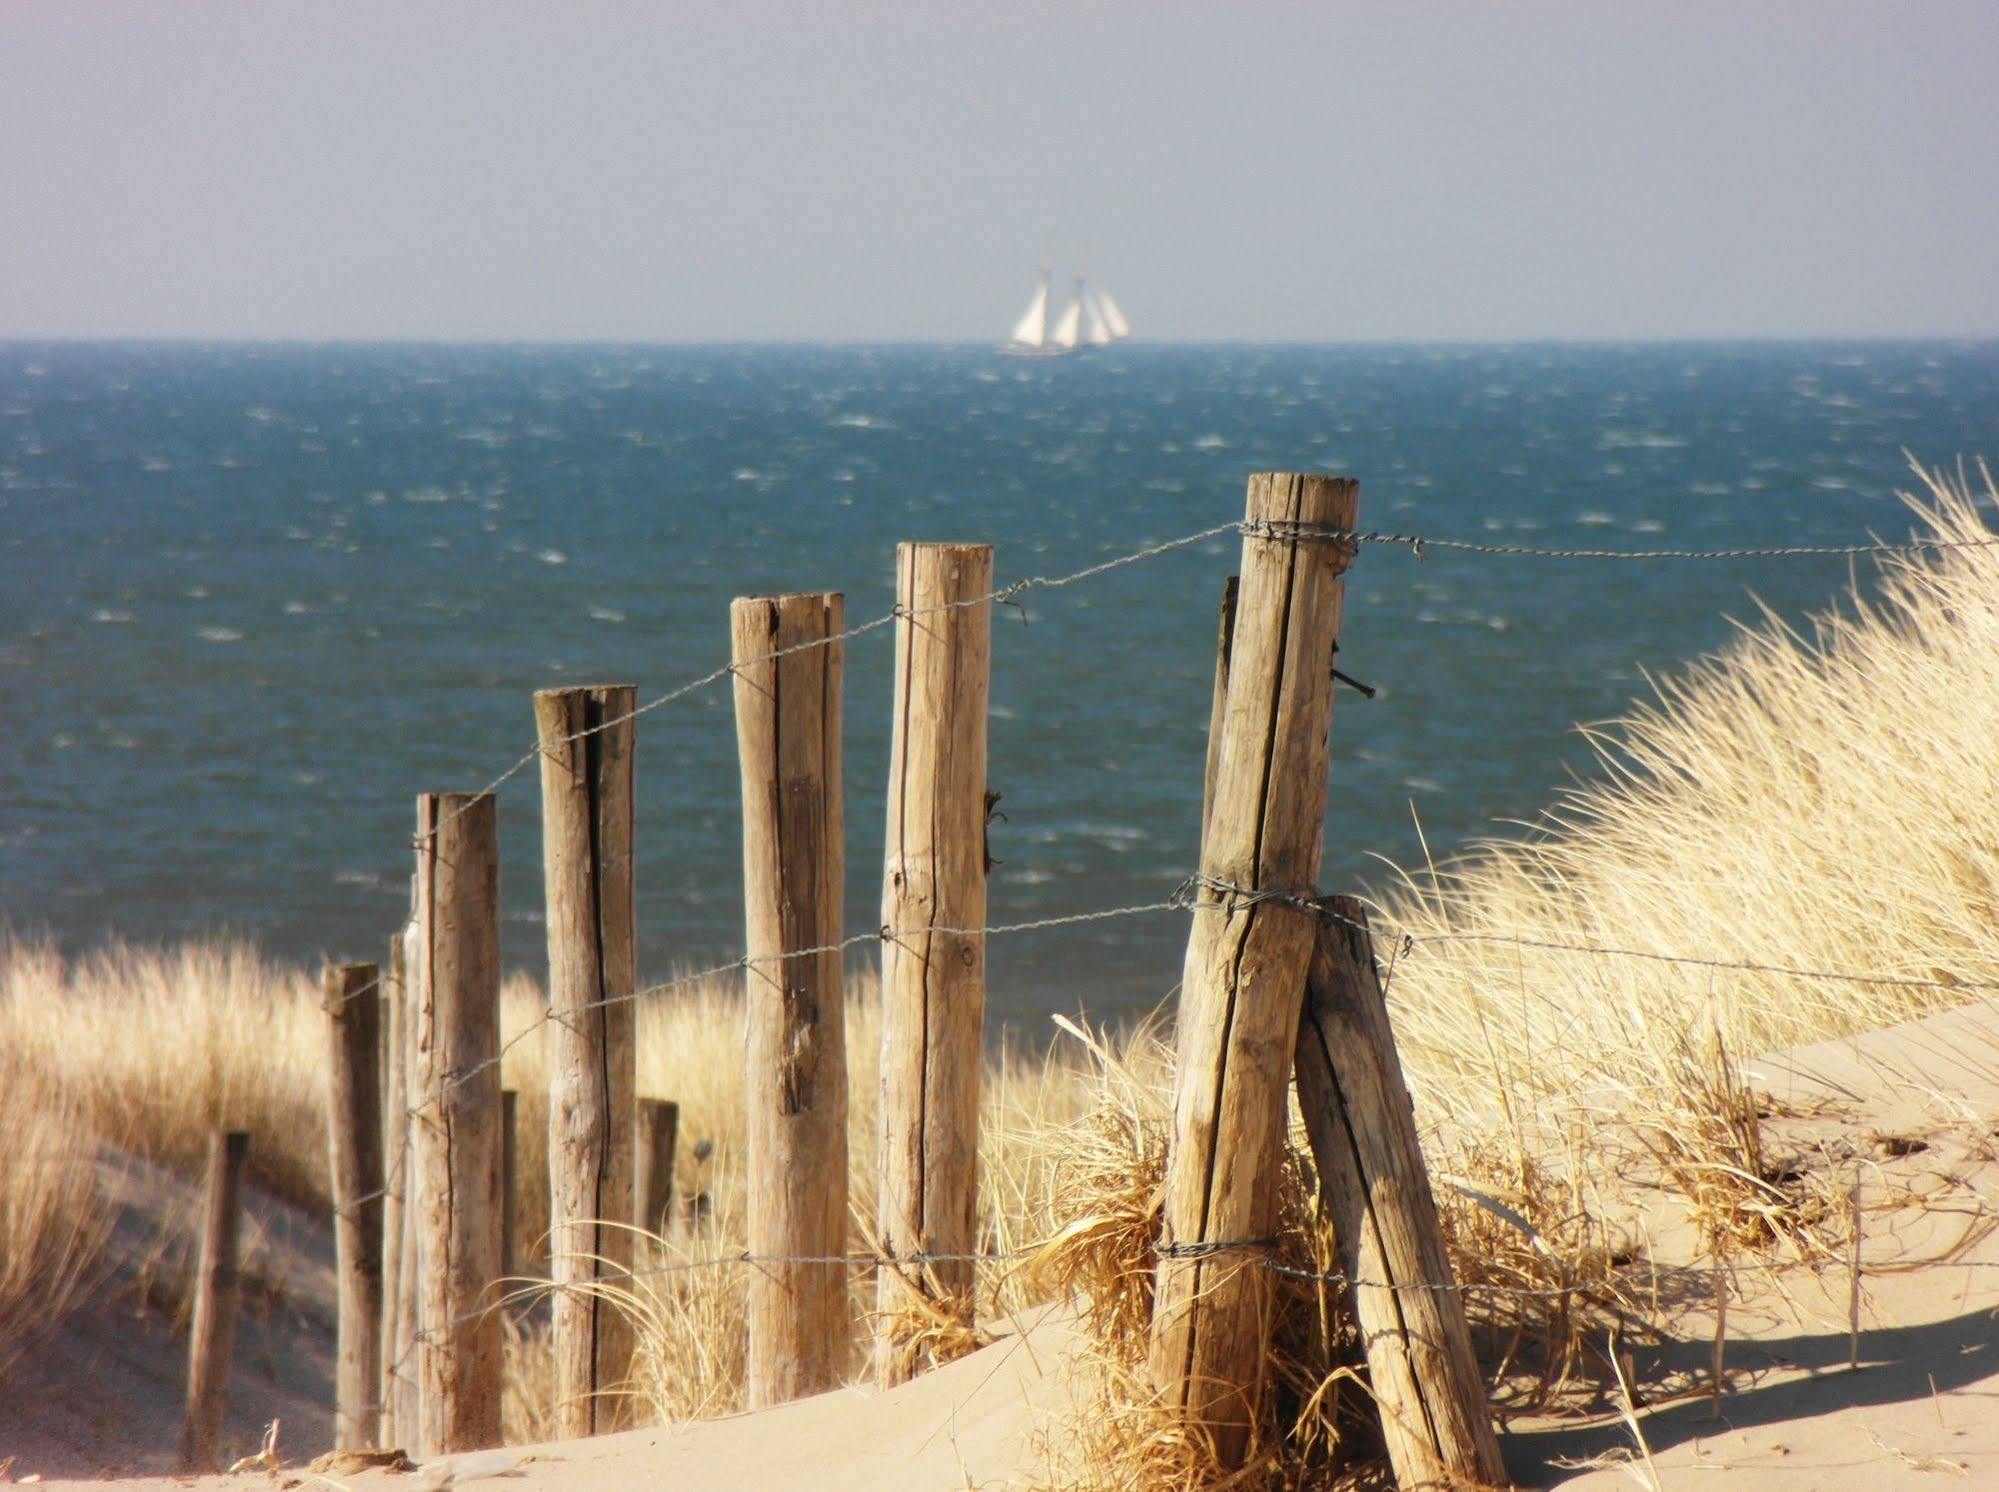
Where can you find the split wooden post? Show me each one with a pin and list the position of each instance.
(788, 674)
(352, 995)
(652, 1182)
(1218, 709)
(217, 1300)
(1376, 1191)
(395, 1167)
(510, 1166)
(933, 978)
(457, 1126)
(587, 737)
(1247, 956)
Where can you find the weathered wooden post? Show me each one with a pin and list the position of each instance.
(1247, 956)
(217, 1299)
(405, 1385)
(934, 958)
(1376, 1192)
(353, 998)
(652, 1184)
(587, 738)
(395, 1183)
(457, 1122)
(788, 687)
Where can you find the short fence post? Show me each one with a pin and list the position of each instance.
(457, 1127)
(1376, 1190)
(587, 737)
(353, 998)
(217, 1299)
(395, 1168)
(933, 978)
(652, 1181)
(1247, 955)
(788, 675)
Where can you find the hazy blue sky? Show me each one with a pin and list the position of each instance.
(887, 171)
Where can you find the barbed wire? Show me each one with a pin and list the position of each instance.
(1253, 1252)
(1009, 595)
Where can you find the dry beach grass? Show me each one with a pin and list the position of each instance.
(1815, 800)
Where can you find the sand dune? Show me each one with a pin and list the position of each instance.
(1913, 1110)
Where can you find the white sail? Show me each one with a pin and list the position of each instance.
(1032, 328)
(1066, 328)
(1096, 333)
(1113, 318)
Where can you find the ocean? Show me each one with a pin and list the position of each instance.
(254, 598)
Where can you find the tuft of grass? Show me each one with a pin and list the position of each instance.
(51, 1212)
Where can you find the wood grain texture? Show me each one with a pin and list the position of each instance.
(788, 740)
(404, 1401)
(394, 1163)
(1376, 1191)
(218, 1293)
(652, 1181)
(1246, 962)
(352, 995)
(457, 1127)
(934, 968)
(588, 738)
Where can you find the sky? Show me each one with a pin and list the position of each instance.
(757, 171)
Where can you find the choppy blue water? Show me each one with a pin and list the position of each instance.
(253, 599)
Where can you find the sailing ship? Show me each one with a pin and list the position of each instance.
(1091, 319)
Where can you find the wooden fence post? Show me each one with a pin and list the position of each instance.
(788, 738)
(353, 998)
(217, 1299)
(405, 1381)
(395, 1175)
(652, 1182)
(457, 1126)
(933, 978)
(1376, 1190)
(1247, 956)
(587, 738)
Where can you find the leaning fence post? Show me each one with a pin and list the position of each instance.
(353, 999)
(587, 736)
(652, 1181)
(788, 672)
(457, 1125)
(1376, 1189)
(217, 1298)
(933, 978)
(1247, 955)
